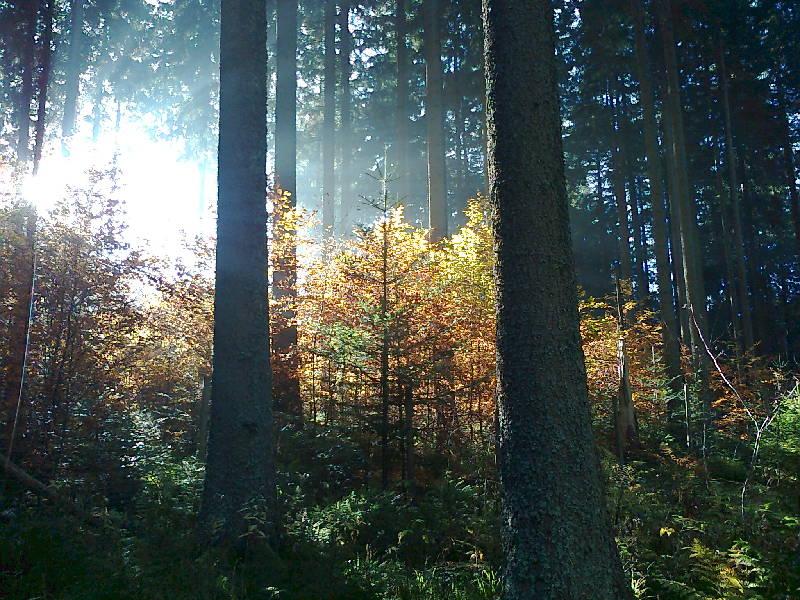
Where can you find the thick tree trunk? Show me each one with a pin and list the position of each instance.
(666, 306)
(329, 120)
(72, 75)
(43, 84)
(434, 121)
(738, 254)
(554, 515)
(346, 174)
(401, 124)
(284, 274)
(240, 471)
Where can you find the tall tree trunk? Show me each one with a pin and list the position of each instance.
(346, 175)
(72, 86)
(434, 121)
(408, 431)
(738, 254)
(554, 514)
(640, 252)
(618, 178)
(789, 165)
(676, 250)
(666, 306)
(329, 120)
(240, 470)
(203, 416)
(684, 203)
(28, 14)
(762, 291)
(12, 384)
(639, 239)
(385, 344)
(284, 277)
(43, 84)
(626, 428)
(731, 288)
(401, 118)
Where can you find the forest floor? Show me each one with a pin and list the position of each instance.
(678, 520)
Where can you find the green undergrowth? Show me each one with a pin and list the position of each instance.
(679, 523)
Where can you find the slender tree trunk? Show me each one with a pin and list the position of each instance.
(762, 291)
(554, 515)
(666, 306)
(434, 121)
(408, 432)
(676, 250)
(240, 471)
(44, 84)
(12, 385)
(29, 13)
(346, 118)
(618, 178)
(738, 254)
(329, 123)
(730, 277)
(684, 203)
(284, 278)
(639, 239)
(789, 164)
(626, 428)
(401, 125)
(385, 348)
(203, 415)
(72, 86)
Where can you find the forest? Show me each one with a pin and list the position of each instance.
(399, 299)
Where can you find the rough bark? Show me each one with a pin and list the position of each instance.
(240, 470)
(556, 531)
(329, 120)
(46, 55)
(284, 274)
(72, 75)
(434, 121)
